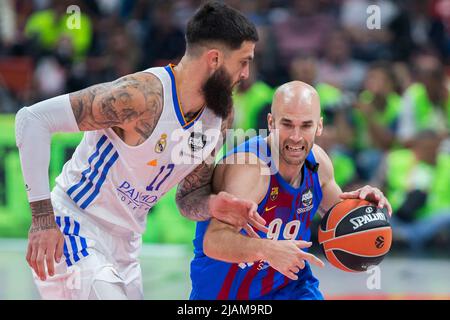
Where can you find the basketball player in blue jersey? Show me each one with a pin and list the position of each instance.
(230, 265)
(92, 221)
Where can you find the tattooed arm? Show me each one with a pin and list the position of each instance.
(196, 200)
(131, 106)
(194, 191)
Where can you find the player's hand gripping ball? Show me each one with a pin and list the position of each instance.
(355, 234)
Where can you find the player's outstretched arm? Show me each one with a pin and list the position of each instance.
(225, 242)
(132, 104)
(197, 201)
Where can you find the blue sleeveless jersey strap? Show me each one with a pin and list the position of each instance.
(256, 145)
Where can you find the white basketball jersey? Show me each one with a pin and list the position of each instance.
(119, 183)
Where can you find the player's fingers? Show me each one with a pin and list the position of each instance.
(259, 226)
(40, 263)
(381, 203)
(303, 244)
(290, 275)
(59, 250)
(363, 194)
(301, 263)
(253, 213)
(388, 205)
(350, 195)
(34, 252)
(249, 230)
(49, 258)
(29, 252)
(313, 259)
(295, 269)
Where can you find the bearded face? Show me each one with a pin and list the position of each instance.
(218, 91)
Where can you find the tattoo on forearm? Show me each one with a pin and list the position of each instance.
(42, 216)
(194, 191)
(134, 100)
(195, 205)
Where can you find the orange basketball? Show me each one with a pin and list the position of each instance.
(355, 234)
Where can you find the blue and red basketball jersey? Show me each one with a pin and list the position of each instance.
(288, 212)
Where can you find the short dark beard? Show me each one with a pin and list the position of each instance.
(218, 91)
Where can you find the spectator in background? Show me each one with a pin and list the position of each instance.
(251, 101)
(50, 77)
(302, 28)
(414, 28)
(50, 29)
(7, 23)
(164, 42)
(337, 67)
(375, 118)
(368, 44)
(413, 181)
(426, 103)
(183, 10)
(402, 74)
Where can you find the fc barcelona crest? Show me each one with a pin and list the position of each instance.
(274, 193)
(161, 144)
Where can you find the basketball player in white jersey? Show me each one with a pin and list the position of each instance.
(140, 130)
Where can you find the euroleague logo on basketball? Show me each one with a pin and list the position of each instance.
(365, 219)
(379, 242)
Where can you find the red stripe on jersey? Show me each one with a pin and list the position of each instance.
(267, 281)
(244, 288)
(283, 198)
(225, 291)
(286, 282)
(308, 222)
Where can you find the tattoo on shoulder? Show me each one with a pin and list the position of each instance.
(134, 101)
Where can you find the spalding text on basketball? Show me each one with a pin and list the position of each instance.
(362, 220)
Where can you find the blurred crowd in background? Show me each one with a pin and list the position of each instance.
(384, 92)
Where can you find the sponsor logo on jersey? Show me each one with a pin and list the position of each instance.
(365, 219)
(161, 144)
(134, 198)
(274, 193)
(197, 141)
(307, 201)
(262, 264)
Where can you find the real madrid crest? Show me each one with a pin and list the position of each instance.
(274, 193)
(161, 144)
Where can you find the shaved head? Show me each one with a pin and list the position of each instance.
(296, 97)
